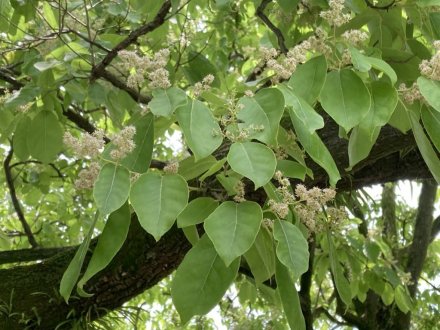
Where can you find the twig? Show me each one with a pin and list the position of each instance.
(385, 7)
(260, 13)
(15, 201)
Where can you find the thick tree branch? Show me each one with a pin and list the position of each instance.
(13, 256)
(15, 201)
(306, 284)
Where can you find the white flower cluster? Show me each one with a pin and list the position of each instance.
(335, 16)
(204, 85)
(355, 37)
(87, 176)
(171, 168)
(141, 66)
(240, 192)
(124, 143)
(313, 203)
(410, 94)
(431, 68)
(88, 146)
(281, 209)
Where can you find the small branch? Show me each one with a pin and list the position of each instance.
(306, 284)
(24, 255)
(99, 70)
(385, 7)
(14, 82)
(15, 201)
(260, 13)
(435, 229)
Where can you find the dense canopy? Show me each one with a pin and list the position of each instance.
(162, 158)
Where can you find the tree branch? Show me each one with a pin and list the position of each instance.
(13, 256)
(15, 201)
(306, 284)
(280, 38)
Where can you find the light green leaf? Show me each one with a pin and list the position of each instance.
(201, 280)
(45, 137)
(20, 138)
(383, 66)
(158, 200)
(403, 300)
(199, 67)
(111, 189)
(428, 153)
(316, 149)
(217, 166)
(342, 285)
(308, 116)
(292, 169)
(308, 79)
(345, 98)
(428, 3)
(46, 65)
(109, 243)
(196, 211)
(431, 122)
(232, 227)
(253, 160)
(430, 90)
(387, 294)
(190, 169)
(359, 60)
(72, 272)
(264, 110)
(289, 297)
(360, 144)
(261, 256)
(200, 129)
(166, 101)
(191, 234)
(292, 248)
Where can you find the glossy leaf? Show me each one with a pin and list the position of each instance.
(289, 297)
(112, 187)
(261, 256)
(308, 116)
(252, 160)
(345, 98)
(201, 280)
(109, 243)
(45, 137)
(158, 200)
(263, 110)
(316, 149)
(196, 211)
(200, 129)
(308, 79)
(430, 90)
(292, 248)
(232, 228)
(166, 101)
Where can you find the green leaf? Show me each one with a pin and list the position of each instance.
(430, 90)
(359, 60)
(264, 110)
(316, 149)
(139, 159)
(403, 300)
(111, 189)
(288, 5)
(200, 129)
(217, 166)
(232, 227)
(72, 272)
(196, 211)
(431, 122)
(292, 169)
(308, 116)
(308, 79)
(190, 169)
(158, 200)
(289, 298)
(387, 294)
(45, 137)
(363, 137)
(253, 160)
(292, 248)
(166, 101)
(199, 67)
(383, 66)
(261, 256)
(21, 149)
(345, 98)
(201, 280)
(342, 285)
(109, 243)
